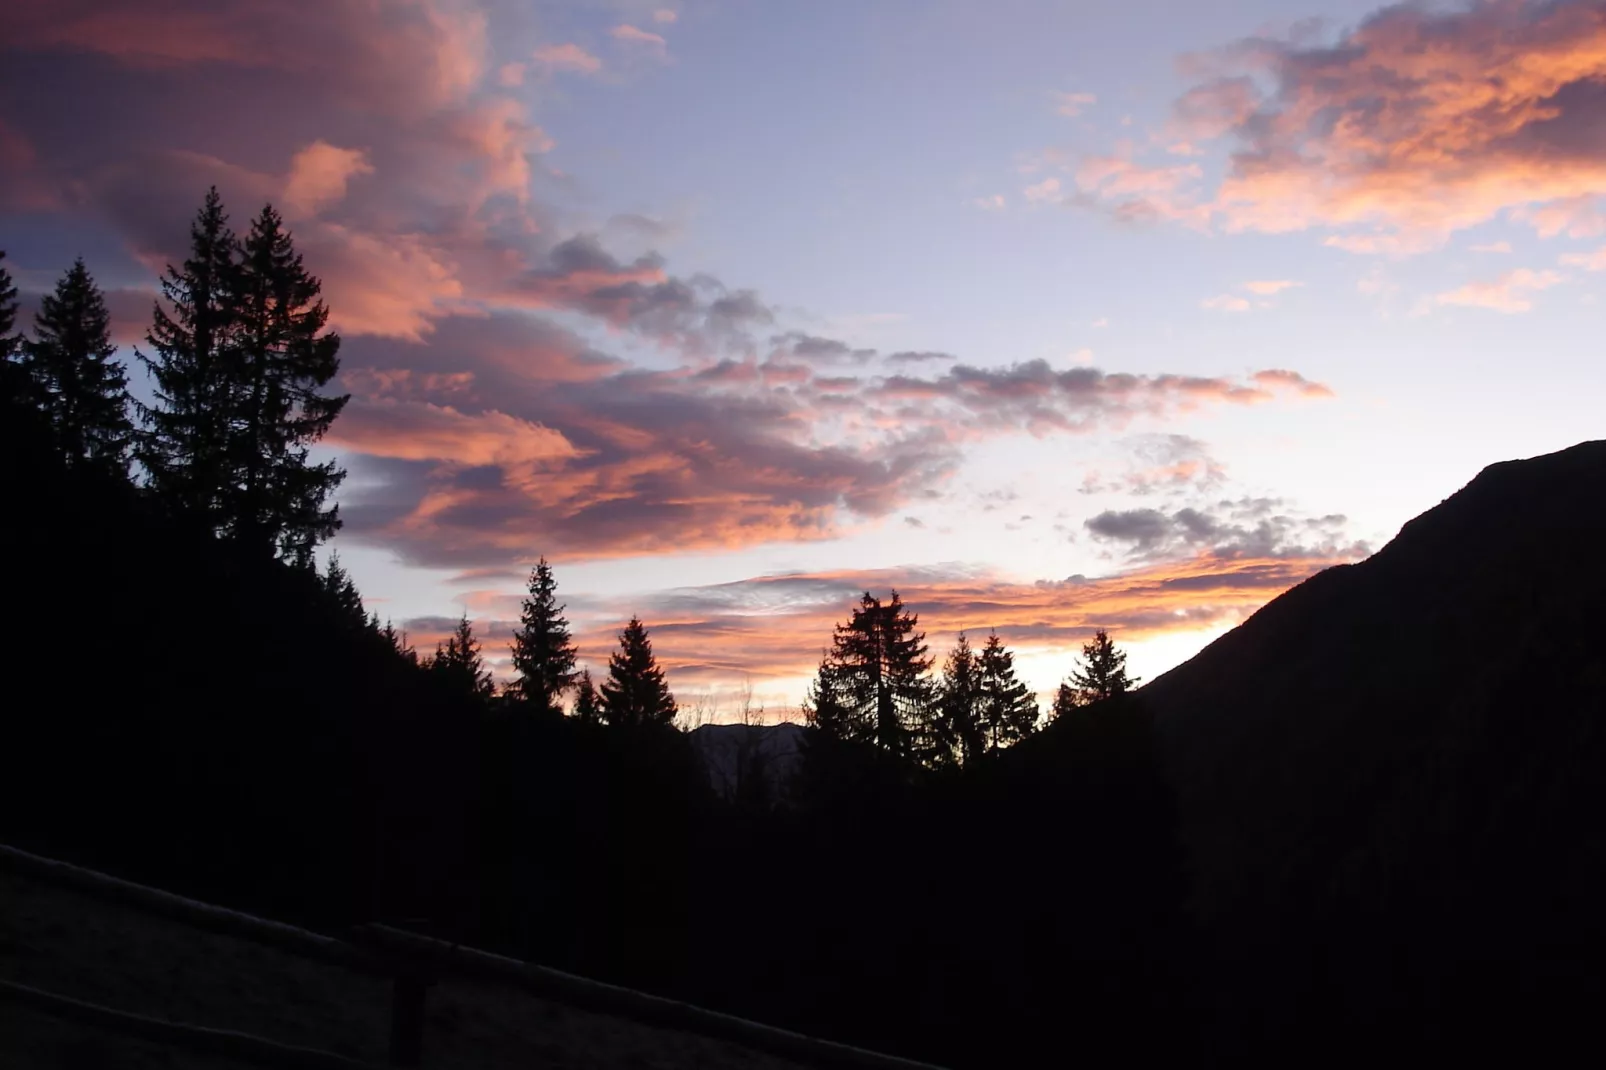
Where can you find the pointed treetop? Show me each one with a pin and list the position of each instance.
(543, 649)
(1100, 674)
(872, 685)
(458, 662)
(1008, 708)
(636, 691)
(587, 703)
(75, 378)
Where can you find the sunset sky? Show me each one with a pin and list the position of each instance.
(1054, 316)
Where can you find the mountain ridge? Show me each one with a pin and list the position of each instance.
(1405, 751)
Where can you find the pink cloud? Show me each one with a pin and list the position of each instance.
(1268, 287)
(664, 15)
(635, 36)
(1044, 192)
(1420, 122)
(568, 57)
(1225, 303)
(319, 175)
(1288, 380)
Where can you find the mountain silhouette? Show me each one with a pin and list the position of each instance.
(1391, 778)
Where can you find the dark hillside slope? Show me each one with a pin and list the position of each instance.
(1392, 778)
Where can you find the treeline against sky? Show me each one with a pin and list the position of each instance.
(191, 701)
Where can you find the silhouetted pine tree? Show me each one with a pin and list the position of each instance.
(543, 650)
(1100, 674)
(398, 642)
(185, 447)
(458, 663)
(635, 692)
(337, 583)
(958, 722)
(14, 384)
(1007, 709)
(281, 358)
(76, 380)
(587, 704)
(872, 685)
(9, 343)
(238, 365)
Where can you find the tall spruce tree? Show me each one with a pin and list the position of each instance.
(587, 703)
(543, 650)
(458, 664)
(635, 692)
(1100, 674)
(872, 686)
(1007, 708)
(185, 448)
(958, 720)
(239, 364)
(282, 358)
(75, 377)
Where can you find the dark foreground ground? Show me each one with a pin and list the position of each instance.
(84, 947)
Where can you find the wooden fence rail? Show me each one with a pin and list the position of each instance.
(413, 962)
(227, 1042)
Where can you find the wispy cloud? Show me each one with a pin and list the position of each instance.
(1268, 287)
(1073, 104)
(1044, 192)
(1595, 261)
(637, 37)
(1509, 293)
(1225, 303)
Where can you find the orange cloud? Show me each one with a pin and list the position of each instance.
(421, 431)
(1509, 293)
(1268, 287)
(1225, 303)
